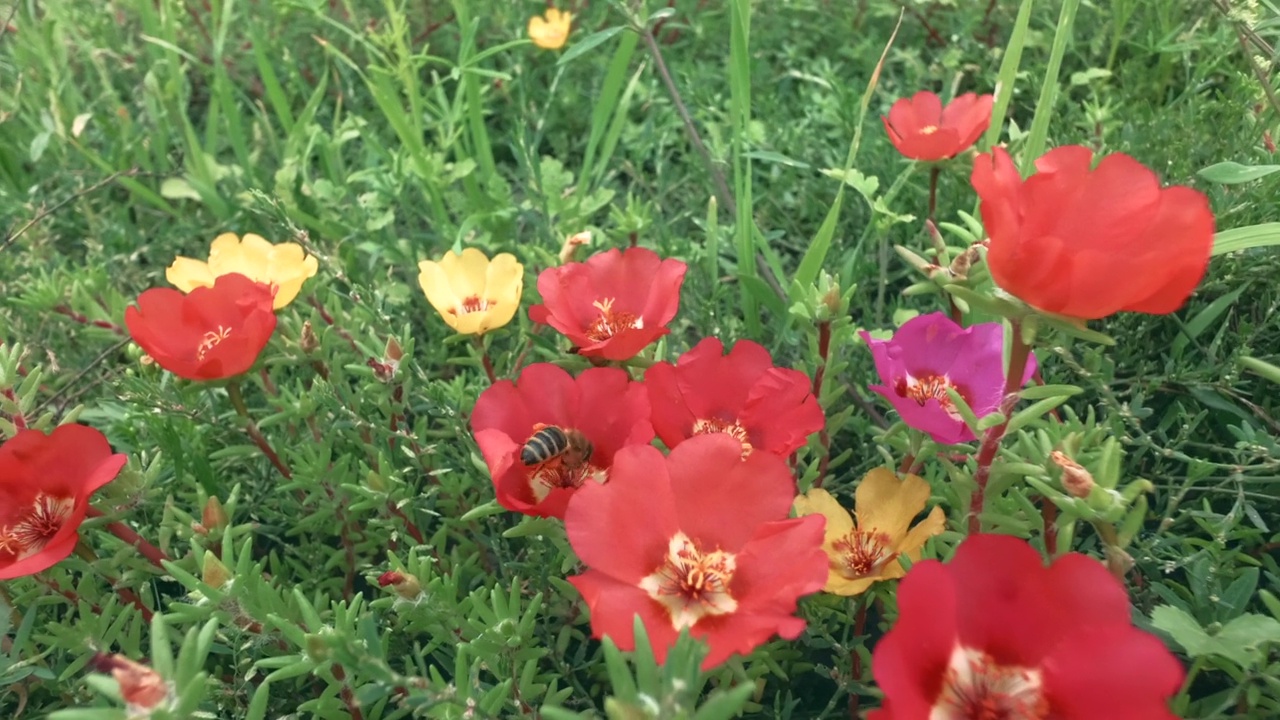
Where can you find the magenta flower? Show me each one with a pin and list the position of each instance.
(930, 354)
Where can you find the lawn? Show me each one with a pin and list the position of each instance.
(685, 366)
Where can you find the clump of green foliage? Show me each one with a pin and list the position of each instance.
(382, 134)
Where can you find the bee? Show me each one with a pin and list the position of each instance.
(549, 442)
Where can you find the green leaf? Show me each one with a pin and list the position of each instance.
(1233, 173)
(1206, 318)
(1038, 392)
(588, 43)
(1244, 238)
(1261, 368)
(779, 158)
(176, 188)
(1240, 641)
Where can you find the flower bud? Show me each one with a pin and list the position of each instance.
(142, 688)
(214, 516)
(571, 245)
(1077, 481)
(962, 263)
(404, 584)
(213, 572)
(307, 339)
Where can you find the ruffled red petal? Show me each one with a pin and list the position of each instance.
(1114, 671)
(722, 499)
(623, 528)
(614, 607)
(910, 661)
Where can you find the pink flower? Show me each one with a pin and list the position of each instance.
(930, 354)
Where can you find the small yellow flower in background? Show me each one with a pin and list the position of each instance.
(286, 266)
(865, 550)
(551, 30)
(472, 293)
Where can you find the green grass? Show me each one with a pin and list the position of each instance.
(381, 134)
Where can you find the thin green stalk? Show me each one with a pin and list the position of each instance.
(1008, 73)
(1039, 133)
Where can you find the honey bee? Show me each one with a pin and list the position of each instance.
(549, 442)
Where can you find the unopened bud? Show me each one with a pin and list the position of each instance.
(213, 573)
(307, 339)
(214, 516)
(1077, 481)
(146, 361)
(963, 262)
(404, 584)
(393, 352)
(571, 245)
(142, 688)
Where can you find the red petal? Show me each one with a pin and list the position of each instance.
(614, 606)
(672, 418)
(613, 412)
(970, 115)
(1017, 610)
(910, 661)
(1180, 241)
(783, 562)
(623, 528)
(72, 461)
(722, 500)
(1114, 671)
(781, 412)
(739, 634)
(58, 549)
(623, 346)
(664, 292)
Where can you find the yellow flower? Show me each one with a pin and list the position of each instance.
(286, 266)
(864, 551)
(552, 30)
(473, 294)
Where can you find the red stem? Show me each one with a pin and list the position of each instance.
(130, 537)
(84, 320)
(1049, 514)
(992, 437)
(19, 420)
(824, 350)
(859, 627)
(409, 527)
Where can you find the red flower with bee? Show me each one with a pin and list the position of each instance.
(546, 434)
(45, 484)
(208, 334)
(612, 305)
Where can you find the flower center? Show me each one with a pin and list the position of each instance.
(928, 129)
(611, 322)
(36, 527)
(692, 584)
(557, 474)
(732, 429)
(930, 387)
(211, 340)
(976, 688)
(473, 304)
(862, 554)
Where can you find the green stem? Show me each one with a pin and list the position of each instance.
(1039, 132)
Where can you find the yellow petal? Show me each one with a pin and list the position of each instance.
(289, 267)
(820, 502)
(504, 282)
(435, 284)
(913, 543)
(228, 255)
(885, 504)
(467, 272)
(837, 584)
(551, 32)
(187, 274)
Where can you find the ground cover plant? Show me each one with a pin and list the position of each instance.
(638, 359)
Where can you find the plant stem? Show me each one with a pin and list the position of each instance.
(859, 627)
(236, 395)
(934, 171)
(152, 553)
(484, 359)
(717, 177)
(824, 351)
(992, 437)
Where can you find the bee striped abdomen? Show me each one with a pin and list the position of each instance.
(546, 444)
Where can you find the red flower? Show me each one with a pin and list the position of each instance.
(45, 484)
(922, 129)
(208, 334)
(596, 415)
(612, 305)
(1089, 243)
(740, 394)
(995, 633)
(700, 540)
